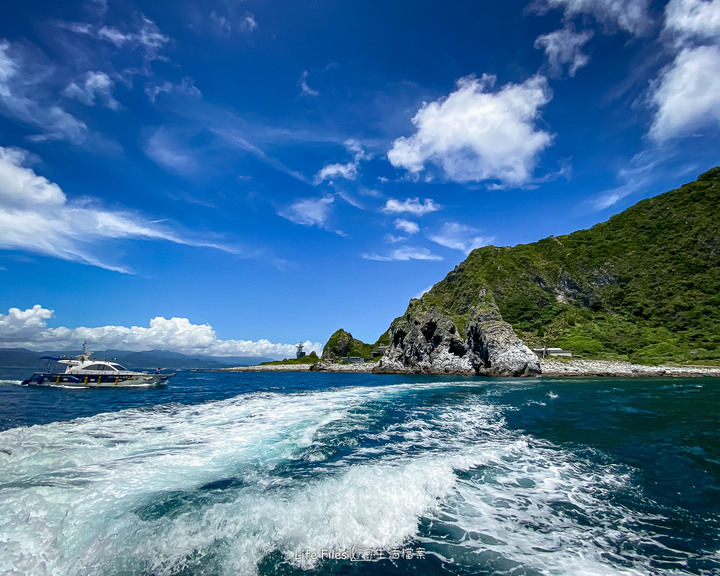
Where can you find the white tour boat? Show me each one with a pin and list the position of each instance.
(85, 372)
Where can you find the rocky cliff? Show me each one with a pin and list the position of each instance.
(429, 342)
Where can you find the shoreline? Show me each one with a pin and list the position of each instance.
(550, 369)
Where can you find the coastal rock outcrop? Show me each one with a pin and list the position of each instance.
(342, 344)
(428, 341)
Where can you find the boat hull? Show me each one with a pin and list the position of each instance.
(96, 380)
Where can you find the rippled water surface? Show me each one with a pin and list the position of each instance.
(300, 473)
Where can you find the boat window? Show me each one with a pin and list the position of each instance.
(118, 367)
(95, 367)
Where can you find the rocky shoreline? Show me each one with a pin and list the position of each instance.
(561, 368)
(550, 369)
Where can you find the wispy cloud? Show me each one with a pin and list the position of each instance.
(23, 97)
(311, 212)
(93, 88)
(36, 216)
(225, 23)
(460, 237)
(413, 206)
(564, 47)
(629, 15)
(403, 254)
(349, 170)
(166, 149)
(186, 87)
(305, 90)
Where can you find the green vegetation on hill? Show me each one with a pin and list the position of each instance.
(342, 344)
(643, 286)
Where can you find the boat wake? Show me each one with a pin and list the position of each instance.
(265, 481)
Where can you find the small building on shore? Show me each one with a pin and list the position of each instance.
(355, 359)
(544, 351)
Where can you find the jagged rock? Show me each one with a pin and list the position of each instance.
(426, 342)
(495, 349)
(429, 342)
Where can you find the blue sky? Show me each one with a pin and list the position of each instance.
(233, 177)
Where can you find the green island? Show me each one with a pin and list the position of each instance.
(643, 286)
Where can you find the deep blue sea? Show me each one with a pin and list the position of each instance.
(317, 473)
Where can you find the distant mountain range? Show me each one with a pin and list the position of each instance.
(21, 357)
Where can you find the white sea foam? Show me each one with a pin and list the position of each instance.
(218, 487)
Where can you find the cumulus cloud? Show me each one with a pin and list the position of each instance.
(36, 216)
(93, 88)
(407, 226)
(460, 237)
(403, 254)
(477, 133)
(28, 329)
(564, 47)
(413, 206)
(698, 19)
(687, 95)
(629, 15)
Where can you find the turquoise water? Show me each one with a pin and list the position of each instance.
(233, 473)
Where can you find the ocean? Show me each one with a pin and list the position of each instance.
(329, 474)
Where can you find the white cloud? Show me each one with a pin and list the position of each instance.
(349, 170)
(95, 86)
(564, 47)
(309, 211)
(629, 15)
(36, 216)
(407, 226)
(28, 329)
(166, 149)
(687, 95)
(305, 90)
(186, 87)
(144, 35)
(476, 134)
(224, 25)
(460, 237)
(403, 254)
(23, 98)
(248, 23)
(21, 187)
(697, 19)
(411, 206)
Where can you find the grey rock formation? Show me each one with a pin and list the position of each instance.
(425, 342)
(429, 342)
